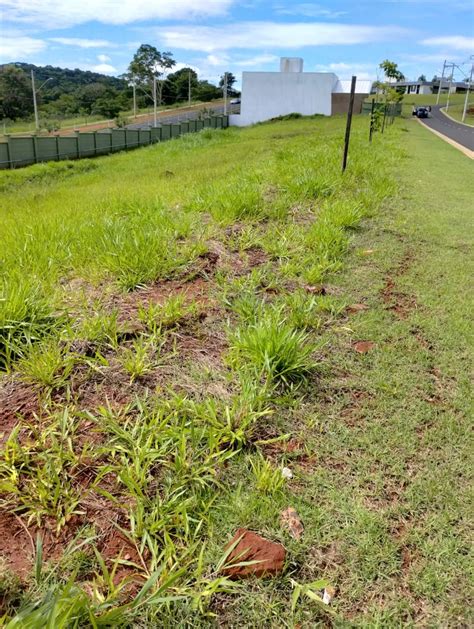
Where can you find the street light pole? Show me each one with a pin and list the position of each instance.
(467, 94)
(35, 91)
(154, 101)
(35, 104)
(225, 93)
(441, 82)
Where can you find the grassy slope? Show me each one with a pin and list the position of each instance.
(379, 448)
(456, 112)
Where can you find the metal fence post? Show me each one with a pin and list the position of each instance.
(9, 153)
(35, 148)
(349, 122)
(371, 128)
(384, 117)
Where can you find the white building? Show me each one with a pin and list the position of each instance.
(267, 95)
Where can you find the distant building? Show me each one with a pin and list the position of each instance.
(267, 95)
(427, 87)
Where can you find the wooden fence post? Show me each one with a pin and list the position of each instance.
(349, 122)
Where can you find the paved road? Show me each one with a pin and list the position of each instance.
(175, 117)
(456, 131)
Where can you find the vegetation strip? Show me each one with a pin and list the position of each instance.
(179, 348)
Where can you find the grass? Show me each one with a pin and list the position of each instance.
(186, 336)
(456, 111)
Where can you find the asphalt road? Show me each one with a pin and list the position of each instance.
(175, 117)
(456, 131)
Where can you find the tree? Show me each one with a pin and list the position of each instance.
(16, 95)
(180, 83)
(149, 64)
(207, 91)
(391, 71)
(422, 78)
(231, 80)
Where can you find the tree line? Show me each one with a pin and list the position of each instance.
(66, 92)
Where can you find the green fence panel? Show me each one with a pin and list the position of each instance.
(103, 142)
(21, 151)
(67, 147)
(24, 150)
(144, 137)
(4, 155)
(132, 138)
(165, 132)
(47, 148)
(118, 140)
(86, 145)
(155, 134)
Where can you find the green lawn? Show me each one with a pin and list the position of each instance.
(178, 324)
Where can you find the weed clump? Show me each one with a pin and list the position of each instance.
(274, 349)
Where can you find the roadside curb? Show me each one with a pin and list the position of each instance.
(456, 145)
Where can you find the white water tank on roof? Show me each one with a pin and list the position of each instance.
(291, 64)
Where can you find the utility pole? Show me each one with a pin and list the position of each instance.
(467, 94)
(225, 93)
(35, 104)
(35, 91)
(189, 87)
(154, 101)
(449, 85)
(134, 100)
(441, 82)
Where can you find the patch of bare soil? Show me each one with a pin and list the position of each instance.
(17, 401)
(398, 302)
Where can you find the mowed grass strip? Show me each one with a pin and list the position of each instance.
(180, 338)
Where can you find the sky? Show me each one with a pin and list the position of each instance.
(214, 36)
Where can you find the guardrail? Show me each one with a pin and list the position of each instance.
(18, 151)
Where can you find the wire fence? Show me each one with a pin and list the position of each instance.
(18, 151)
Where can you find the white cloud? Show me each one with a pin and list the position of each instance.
(217, 60)
(102, 68)
(21, 47)
(259, 60)
(103, 58)
(344, 70)
(83, 43)
(272, 35)
(308, 10)
(64, 13)
(455, 42)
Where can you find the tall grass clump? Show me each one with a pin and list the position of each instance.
(230, 201)
(142, 244)
(273, 349)
(26, 316)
